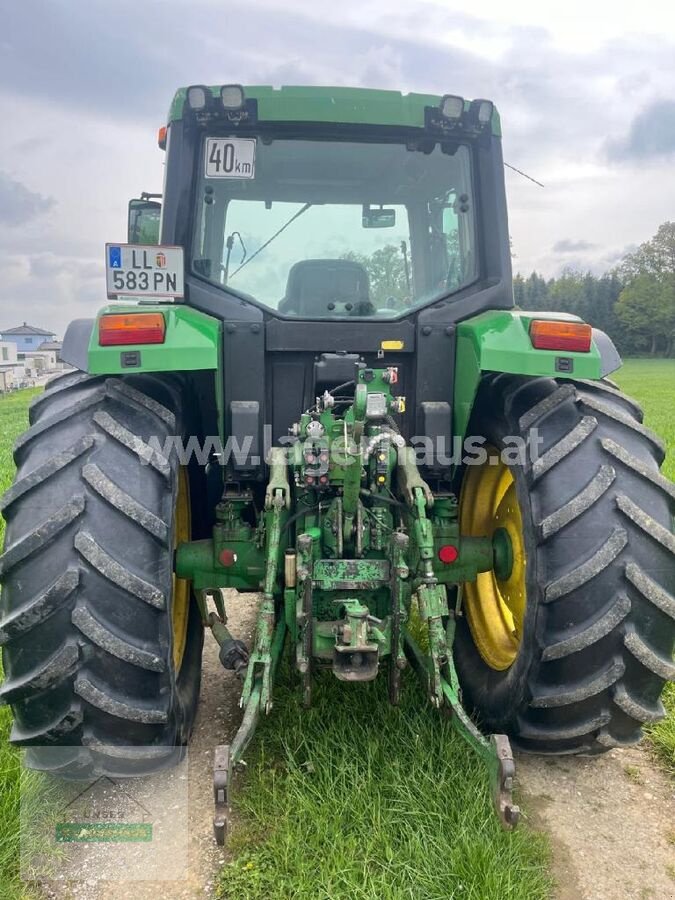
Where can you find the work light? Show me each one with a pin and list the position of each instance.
(452, 107)
(232, 96)
(197, 96)
(482, 111)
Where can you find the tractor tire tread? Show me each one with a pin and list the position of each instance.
(85, 614)
(600, 641)
(101, 698)
(124, 502)
(104, 637)
(580, 638)
(587, 496)
(116, 572)
(36, 610)
(146, 454)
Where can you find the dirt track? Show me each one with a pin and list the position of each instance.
(611, 819)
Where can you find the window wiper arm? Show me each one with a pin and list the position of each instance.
(269, 240)
(229, 243)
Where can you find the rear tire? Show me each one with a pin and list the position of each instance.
(87, 574)
(599, 626)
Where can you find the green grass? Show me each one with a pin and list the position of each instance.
(354, 799)
(13, 420)
(662, 735)
(652, 383)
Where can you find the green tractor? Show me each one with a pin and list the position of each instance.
(312, 385)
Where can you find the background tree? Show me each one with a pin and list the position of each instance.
(636, 307)
(655, 257)
(582, 294)
(386, 271)
(647, 304)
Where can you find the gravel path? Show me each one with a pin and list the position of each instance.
(611, 820)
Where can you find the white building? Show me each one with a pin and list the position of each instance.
(12, 372)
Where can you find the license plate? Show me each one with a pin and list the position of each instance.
(230, 158)
(138, 270)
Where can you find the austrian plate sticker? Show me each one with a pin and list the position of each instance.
(140, 270)
(230, 158)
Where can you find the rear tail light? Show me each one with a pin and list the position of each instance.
(552, 335)
(131, 328)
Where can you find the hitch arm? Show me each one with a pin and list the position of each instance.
(495, 750)
(227, 756)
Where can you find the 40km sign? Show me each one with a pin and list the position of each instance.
(230, 158)
(138, 270)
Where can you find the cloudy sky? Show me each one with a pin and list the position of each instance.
(585, 89)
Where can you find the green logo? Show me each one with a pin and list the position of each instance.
(101, 814)
(103, 832)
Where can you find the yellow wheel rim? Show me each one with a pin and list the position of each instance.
(494, 605)
(181, 587)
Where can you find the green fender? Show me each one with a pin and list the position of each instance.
(499, 341)
(192, 341)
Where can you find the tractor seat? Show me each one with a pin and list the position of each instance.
(327, 287)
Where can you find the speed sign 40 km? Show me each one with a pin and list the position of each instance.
(230, 158)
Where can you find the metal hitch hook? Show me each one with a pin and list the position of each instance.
(502, 781)
(221, 784)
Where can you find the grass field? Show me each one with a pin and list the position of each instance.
(652, 383)
(353, 799)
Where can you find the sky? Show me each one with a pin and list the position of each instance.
(586, 91)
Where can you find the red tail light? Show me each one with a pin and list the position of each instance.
(131, 328)
(552, 335)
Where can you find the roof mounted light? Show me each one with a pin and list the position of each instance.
(197, 97)
(482, 111)
(452, 107)
(232, 96)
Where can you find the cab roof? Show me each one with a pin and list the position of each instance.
(364, 106)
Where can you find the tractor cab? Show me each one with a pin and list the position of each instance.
(322, 222)
(385, 182)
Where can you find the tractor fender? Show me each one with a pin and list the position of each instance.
(499, 341)
(192, 341)
(610, 360)
(75, 349)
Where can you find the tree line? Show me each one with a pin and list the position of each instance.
(634, 302)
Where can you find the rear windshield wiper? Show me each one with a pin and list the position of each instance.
(275, 235)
